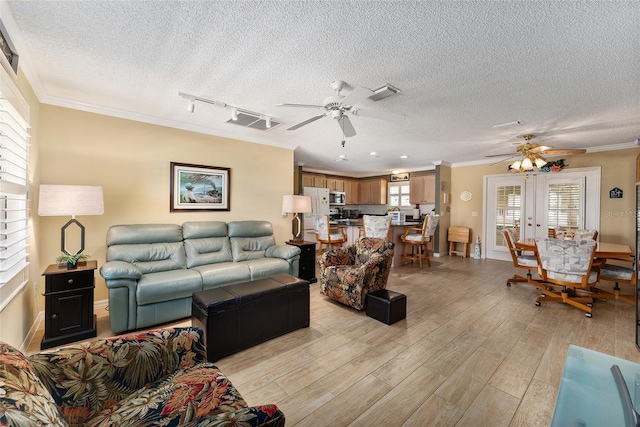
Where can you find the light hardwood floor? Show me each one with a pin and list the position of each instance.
(471, 352)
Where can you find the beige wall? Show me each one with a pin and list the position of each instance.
(616, 215)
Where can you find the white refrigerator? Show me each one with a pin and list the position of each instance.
(319, 205)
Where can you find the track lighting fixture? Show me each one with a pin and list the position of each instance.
(239, 116)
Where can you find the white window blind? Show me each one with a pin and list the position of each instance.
(565, 205)
(14, 200)
(509, 208)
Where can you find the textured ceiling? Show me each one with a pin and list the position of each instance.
(569, 70)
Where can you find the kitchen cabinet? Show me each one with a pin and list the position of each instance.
(373, 192)
(351, 191)
(423, 189)
(335, 184)
(314, 180)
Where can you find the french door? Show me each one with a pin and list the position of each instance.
(536, 203)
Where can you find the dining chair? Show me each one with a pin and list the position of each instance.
(376, 226)
(520, 260)
(566, 273)
(418, 239)
(620, 270)
(326, 234)
(577, 234)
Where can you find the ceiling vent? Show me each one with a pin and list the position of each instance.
(251, 121)
(384, 92)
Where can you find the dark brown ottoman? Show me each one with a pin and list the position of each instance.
(236, 317)
(387, 306)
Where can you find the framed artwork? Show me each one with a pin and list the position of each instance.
(199, 188)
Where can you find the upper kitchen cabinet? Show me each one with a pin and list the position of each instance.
(423, 189)
(351, 192)
(373, 192)
(335, 184)
(313, 180)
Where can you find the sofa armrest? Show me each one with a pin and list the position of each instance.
(120, 270)
(282, 251)
(91, 375)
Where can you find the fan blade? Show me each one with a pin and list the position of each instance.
(376, 114)
(346, 126)
(503, 155)
(300, 105)
(540, 149)
(560, 151)
(357, 95)
(306, 122)
(503, 160)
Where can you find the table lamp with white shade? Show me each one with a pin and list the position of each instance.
(296, 205)
(65, 200)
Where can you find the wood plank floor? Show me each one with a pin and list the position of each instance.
(471, 352)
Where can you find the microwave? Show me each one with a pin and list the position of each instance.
(337, 198)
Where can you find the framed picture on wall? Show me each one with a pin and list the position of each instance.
(199, 188)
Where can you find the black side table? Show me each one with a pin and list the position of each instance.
(68, 304)
(307, 260)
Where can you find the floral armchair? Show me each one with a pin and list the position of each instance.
(348, 274)
(158, 377)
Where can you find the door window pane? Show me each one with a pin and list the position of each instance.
(508, 210)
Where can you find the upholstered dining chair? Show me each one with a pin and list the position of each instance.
(417, 239)
(349, 273)
(620, 270)
(528, 262)
(376, 226)
(326, 234)
(566, 273)
(577, 234)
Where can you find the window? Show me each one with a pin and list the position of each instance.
(565, 202)
(14, 186)
(399, 195)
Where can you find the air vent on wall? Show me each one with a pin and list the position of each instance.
(251, 121)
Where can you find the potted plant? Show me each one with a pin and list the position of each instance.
(71, 260)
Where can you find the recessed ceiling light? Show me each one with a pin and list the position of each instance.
(404, 156)
(373, 153)
(395, 172)
(342, 156)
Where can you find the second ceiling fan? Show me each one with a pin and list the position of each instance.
(337, 106)
(531, 153)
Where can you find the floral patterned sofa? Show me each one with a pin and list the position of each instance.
(349, 273)
(158, 377)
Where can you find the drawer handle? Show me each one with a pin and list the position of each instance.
(54, 316)
(70, 281)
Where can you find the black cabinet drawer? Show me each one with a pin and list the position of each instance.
(307, 249)
(69, 281)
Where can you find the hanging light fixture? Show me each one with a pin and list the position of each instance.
(530, 157)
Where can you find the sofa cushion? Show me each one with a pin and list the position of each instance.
(188, 396)
(24, 400)
(267, 267)
(167, 285)
(209, 250)
(201, 229)
(143, 233)
(152, 257)
(225, 273)
(247, 248)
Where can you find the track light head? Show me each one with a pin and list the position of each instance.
(267, 121)
(191, 107)
(234, 114)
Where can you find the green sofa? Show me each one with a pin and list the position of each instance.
(152, 270)
(151, 378)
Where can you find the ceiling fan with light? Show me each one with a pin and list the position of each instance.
(531, 154)
(337, 106)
